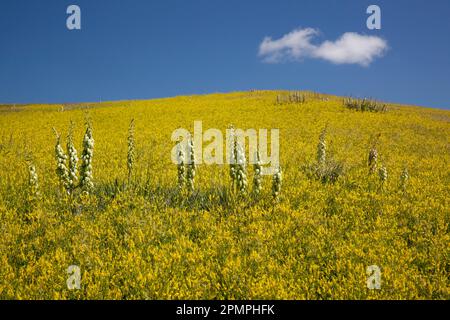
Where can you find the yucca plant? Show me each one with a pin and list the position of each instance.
(291, 97)
(73, 160)
(276, 184)
(322, 148)
(404, 178)
(181, 167)
(297, 97)
(373, 160)
(131, 150)
(190, 167)
(257, 176)
(326, 168)
(241, 173)
(365, 104)
(33, 184)
(383, 175)
(373, 156)
(61, 164)
(233, 158)
(330, 172)
(86, 172)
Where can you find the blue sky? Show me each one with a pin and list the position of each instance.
(142, 49)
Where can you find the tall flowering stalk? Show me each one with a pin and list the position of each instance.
(86, 176)
(181, 167)
(241, 170)
(322, 148)
(276, 184)
(33, 184)
(383, 174)
(373, 157)
(257, 177)
(131, 150)
(190, 166)
(61, 164)
(373, 160)
(404, 178)
(233, 158)
(73, 160)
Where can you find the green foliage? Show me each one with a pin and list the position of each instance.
(365, 105)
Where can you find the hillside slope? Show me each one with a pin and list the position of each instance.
(141, 238)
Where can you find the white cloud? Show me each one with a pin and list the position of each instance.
(294, 45)
(350, 48)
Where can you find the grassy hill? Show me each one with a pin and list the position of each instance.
(142, 238)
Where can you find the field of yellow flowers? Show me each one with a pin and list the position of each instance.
(137, 238)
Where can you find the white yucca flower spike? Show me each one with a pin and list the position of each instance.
(181, 166)
(373, 160)
(61, 166)
(86, 176)
(257, 177)
(404, 178)
(73, 160)
(233, 156)
(321, 147)
(241, 170)
(382, 172)
(276, 184)
(33, 183)
(131, 152)
(191, 166)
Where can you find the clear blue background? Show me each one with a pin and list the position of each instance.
(140, 49)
